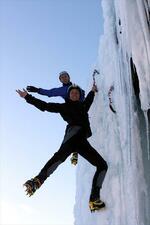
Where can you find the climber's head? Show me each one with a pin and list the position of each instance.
(74, 92)
(64, 77)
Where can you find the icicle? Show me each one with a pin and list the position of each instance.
(147, 134)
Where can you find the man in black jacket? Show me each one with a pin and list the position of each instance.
(75, 113)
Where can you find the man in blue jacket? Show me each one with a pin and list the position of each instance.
(59, 92)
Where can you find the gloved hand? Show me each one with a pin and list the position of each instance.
(94, 88)
(32, 89)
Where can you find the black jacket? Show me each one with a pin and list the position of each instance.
(74, 113)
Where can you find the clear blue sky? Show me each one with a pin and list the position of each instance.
(40, 38)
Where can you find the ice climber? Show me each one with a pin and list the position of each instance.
(75, 113)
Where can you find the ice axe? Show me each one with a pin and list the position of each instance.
(94, 73)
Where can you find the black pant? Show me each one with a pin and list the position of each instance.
(78, 143)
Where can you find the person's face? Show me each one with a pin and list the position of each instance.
(64, 78)
(74, 95)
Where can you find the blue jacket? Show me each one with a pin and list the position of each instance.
(60, 91)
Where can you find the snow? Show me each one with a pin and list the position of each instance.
(122, 138)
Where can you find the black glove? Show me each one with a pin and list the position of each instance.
(32, 89)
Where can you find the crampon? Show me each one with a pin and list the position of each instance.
(31, 186)
(74, 158)
(96, 205)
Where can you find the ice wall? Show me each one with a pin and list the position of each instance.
(122, 138)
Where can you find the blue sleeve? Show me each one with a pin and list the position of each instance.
(61, 91)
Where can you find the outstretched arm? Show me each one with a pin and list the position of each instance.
(41, 105)
(53, 92)
(90, 97)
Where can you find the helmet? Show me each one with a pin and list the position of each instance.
(63, 73)
(74, 86)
